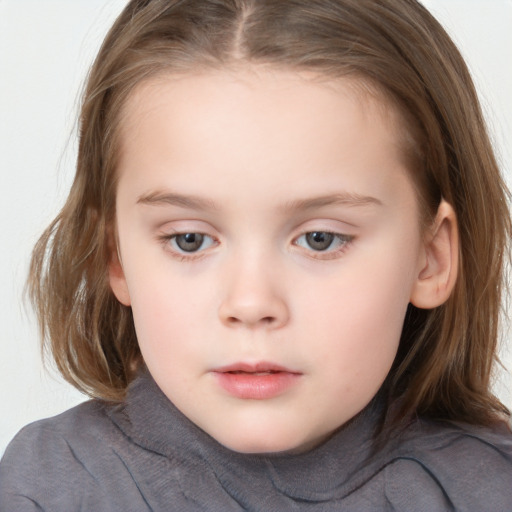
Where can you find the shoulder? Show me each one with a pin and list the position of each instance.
(52, 463)
(61, 436)
(466, 468)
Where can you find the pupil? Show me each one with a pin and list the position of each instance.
(189, 242)
(319, 240)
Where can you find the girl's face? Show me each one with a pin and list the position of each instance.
(269, 244)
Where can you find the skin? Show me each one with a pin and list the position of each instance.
(255, 160)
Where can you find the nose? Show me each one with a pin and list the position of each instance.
(253, 297)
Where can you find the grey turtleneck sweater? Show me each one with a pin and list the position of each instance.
(145, 455)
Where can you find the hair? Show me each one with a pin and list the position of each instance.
(444, 364)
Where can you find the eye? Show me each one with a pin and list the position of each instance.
(190, 242)
(322, 241)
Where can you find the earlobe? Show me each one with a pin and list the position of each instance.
(116, 277)
(438, 270)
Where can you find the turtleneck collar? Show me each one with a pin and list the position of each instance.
(331, 470)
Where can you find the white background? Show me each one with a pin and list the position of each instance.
(46, 47)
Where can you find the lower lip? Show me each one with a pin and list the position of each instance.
(251, 386)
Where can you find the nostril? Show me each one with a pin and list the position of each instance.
(233, 320)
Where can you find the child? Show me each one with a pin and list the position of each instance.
(278, 272)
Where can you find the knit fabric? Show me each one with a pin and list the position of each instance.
(145, 455)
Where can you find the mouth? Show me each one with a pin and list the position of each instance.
(241, 372)
(260, 381)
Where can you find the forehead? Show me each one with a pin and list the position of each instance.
(221, 92)
(257, 125)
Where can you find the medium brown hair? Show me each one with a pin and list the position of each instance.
(444, 365)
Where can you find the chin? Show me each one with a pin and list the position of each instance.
(269, 444)
(253, 447)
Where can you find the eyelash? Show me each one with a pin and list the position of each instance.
(168, 240)
(343, 241)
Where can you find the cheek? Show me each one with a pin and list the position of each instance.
(362, 314)
(165, 311)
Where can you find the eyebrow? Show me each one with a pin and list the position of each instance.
(342, 199)
(162, 198)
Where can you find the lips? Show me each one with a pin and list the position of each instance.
(260, 381)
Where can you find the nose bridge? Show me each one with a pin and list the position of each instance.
(253, 292)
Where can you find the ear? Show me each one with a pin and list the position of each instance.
(438, 267)
(116, 277)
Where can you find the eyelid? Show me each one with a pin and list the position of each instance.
(170, 231)
(167, 237)
(345, 239)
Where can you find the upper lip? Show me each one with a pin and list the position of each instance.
(259, 367)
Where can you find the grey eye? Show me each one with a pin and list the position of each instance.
(319, 240)
(322, 241)
(189, 242)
